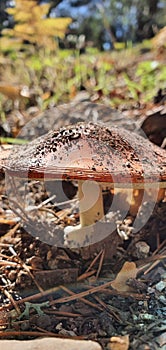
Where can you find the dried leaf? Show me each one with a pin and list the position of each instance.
(129, 270)
(10, 91)
(14, 92)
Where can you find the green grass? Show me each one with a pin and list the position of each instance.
(52, 77)
(12, 140)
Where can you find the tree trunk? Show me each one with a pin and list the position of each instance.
(153, 6)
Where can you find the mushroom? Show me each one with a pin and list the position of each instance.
(97, 157)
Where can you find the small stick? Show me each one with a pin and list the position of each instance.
(100, 264)
(8, 295)
(86, 275)
(61, 313)
(109, 310)
(94, 260)
(82, 299)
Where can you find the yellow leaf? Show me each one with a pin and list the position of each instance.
(20, 16)
(9, 43)
(23, 28)
(11, 11)
(25, 4)
(8, 32)
(53, 26)
(39, 11)
(33, 25)
(21, 5)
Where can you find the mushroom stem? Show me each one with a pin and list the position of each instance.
(91, 210)
(90, 202)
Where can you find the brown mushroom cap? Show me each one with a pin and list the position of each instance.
(90, 151)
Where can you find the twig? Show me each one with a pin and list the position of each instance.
(37, 296)
(9, 296)
(89, 273)
(94, 260)
(86, 275)
(92, 291)
(159, 247)
(108, 309)
(81, 294)
(82, 299)
(100, 264)
(61, 313)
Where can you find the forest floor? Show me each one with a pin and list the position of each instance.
(114, 291)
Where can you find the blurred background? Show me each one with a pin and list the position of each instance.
(50, 51)
(102, 22)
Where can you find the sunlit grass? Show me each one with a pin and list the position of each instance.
(53, 76)
(12, 140)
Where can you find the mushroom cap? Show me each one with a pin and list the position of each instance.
(90, 151)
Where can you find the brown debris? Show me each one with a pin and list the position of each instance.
(59, 276)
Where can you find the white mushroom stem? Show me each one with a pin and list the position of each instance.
(90, 202)
(91, 210)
